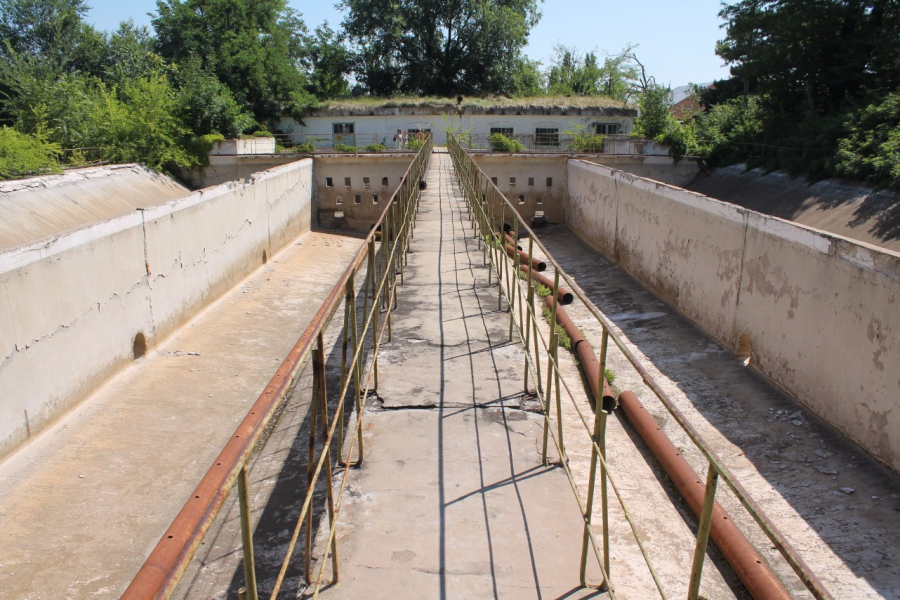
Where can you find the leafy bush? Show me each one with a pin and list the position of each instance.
(344, 148)
(262, 134)
(583, 140)
(199, 147)
(305, 148)
(375, 148)
(501, 143)
(22, 155)
(870, 149)
(415, 144)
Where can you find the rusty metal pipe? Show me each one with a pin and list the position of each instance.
(747, 563)
(538, 265)
(586, 356)
(562, 294)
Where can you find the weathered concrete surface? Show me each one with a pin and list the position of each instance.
(815, 313)
(792, 463)
(37, 209)
(82, 506)
(452, 500)
(530, 191)
(852, 210)
(73, 305)
(373, 178)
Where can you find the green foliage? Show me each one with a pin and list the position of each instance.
(501, 143)
(574, 74)
(329, 62)
(610, 376)
(653, 107)
(305, 148)
(205, 105)
(562, 337)
(542, 290)
(822, 76)
(262, 134)
(375, 148)
(344, 148)
(414, 144)
(50, 29)
(252, 46)
(870, 150)
(438, 47)
(22, 155)
(583, 140)
(527, 78)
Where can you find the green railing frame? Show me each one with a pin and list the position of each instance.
(482, 196)
(163, 569)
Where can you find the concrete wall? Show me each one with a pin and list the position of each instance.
(817, 313)
(222, 168)
(73, 305)
(381, 128)
(529, 199)
(659, 168)
(342, 198)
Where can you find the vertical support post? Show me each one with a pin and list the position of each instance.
(601, 442)
(529, 310)
(502, 255)
(247, 534)
(709, 501)
(514, 277)
(556, 374)
(310, 470)
(320, 388)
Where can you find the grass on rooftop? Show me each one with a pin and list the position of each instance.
(412, 101)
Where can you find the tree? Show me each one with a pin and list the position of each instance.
(207, 106)
(329, 61)
(442, 47)
(22, 155)
(653, 111)
(577, 74)
(51, 29)
(527, 79)
(252, 46)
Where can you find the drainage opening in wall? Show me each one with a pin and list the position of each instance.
(744, 349)
(265, 257)
(139, 347)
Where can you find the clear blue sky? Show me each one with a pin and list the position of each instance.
(675, 40)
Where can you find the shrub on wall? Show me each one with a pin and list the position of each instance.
(501, 143)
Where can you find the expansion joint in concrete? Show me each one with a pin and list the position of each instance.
(147, 270)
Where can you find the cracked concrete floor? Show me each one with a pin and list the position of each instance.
(83, 504)
(452, 500)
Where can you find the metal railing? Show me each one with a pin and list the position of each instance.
(384, 264)
(489, 211)
(344, 143)
(561, 143)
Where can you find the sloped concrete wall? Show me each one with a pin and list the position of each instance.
(72, 305)
(818, 313)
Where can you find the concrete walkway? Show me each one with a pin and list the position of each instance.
(452, 500)
(82, 506)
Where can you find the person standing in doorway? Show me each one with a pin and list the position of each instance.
(398, 139)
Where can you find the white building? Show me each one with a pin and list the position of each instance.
(536, 122)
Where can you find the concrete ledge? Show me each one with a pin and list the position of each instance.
(74, 305)
(815, 313)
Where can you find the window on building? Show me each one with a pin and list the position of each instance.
(329, 182)
(512, 182)
(366, 182)
(357, 199)
(606, 128)
(338, 200)
(507, 131)
(374, 198)
(342, 128)
(521, 198)
(549, 182)
(540, 199)
(384, 182)
(494, 180)
(531, 182)
(346, 182)
(546, 136)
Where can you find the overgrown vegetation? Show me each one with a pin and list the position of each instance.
(23, 155)
(815, 90)
(501, 143)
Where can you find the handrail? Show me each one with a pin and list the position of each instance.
(162, 570)
(482, 196)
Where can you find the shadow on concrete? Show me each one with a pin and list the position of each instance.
(743, 407)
